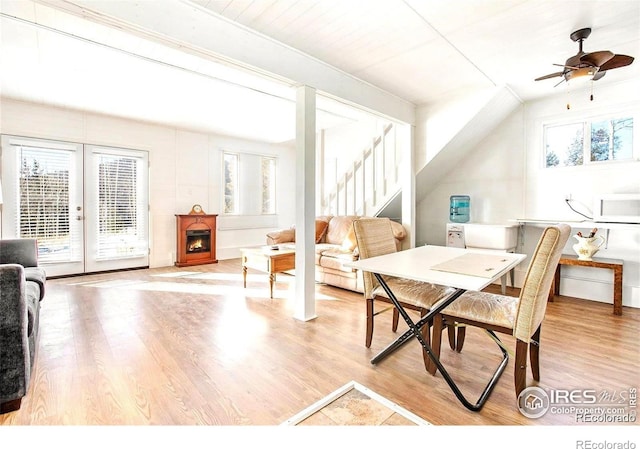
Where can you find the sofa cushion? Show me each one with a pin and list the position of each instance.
(320, 248)
(39, 276)
(338, 229)
(340, 254)
(335, 258)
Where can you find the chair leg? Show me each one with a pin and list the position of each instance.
(396, 319)
(534, 354)
(426, 335)
(520, 368)
(462, 332)
(436, 342)
(451, 333)
(369, 335)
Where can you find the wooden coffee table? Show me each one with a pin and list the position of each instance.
(268, 260)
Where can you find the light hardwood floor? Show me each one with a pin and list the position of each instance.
(162, 346)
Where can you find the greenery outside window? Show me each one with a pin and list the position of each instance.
(589, 141)
(268, 185)
(230, 183)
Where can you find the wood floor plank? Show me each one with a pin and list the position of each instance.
(165, 347)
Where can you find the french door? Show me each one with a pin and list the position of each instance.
(87, 205)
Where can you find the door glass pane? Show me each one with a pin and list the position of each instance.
(44, 202)
(122, 228)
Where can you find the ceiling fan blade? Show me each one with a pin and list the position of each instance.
(597, 58)
(616, 62)
(551, 75)
(567, 66)
(598, 75)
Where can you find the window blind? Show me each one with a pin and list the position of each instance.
(122, 228)
(44, 202)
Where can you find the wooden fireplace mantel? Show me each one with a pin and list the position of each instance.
(195, 222)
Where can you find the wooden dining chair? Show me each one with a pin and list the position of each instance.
(521, 317)
(375, 238)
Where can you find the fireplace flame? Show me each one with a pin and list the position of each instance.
(196, 245)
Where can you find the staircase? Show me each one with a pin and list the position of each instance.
(370, 185)
(370, 182)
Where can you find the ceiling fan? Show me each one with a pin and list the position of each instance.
(592, 65)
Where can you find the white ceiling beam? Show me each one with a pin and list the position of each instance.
(188, 24)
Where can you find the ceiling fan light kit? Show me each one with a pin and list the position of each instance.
(580, 75)
(583, 68)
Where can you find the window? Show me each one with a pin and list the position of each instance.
(244, 176)
(44, 201)
(612, 139)
(268, 185)
(588, 142)
(230, 183)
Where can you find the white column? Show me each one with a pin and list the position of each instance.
(408, 177)
(305, 301)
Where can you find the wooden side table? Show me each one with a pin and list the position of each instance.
(612, 264)
(268, 261)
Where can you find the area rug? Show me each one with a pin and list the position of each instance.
(355, 405)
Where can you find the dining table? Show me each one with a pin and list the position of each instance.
(460, 268)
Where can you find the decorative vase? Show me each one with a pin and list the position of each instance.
(587, 246)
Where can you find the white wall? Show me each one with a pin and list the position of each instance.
(437, 123)
(185, 167)
(492, 175)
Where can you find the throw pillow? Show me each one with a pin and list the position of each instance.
(321, 230)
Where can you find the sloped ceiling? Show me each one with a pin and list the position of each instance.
(425, 50)
(418, 51)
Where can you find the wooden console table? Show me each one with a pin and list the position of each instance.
(612, 264)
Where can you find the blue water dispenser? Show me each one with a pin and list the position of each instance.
(459, 208)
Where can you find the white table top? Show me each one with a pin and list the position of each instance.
(421, 264)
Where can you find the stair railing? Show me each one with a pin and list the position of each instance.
(369, 182)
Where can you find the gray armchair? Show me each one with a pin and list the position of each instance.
(22, 286)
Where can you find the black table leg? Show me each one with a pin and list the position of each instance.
(414, 331)
(414, 328)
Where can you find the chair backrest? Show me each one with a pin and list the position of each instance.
(537, 283)
(375, 238)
